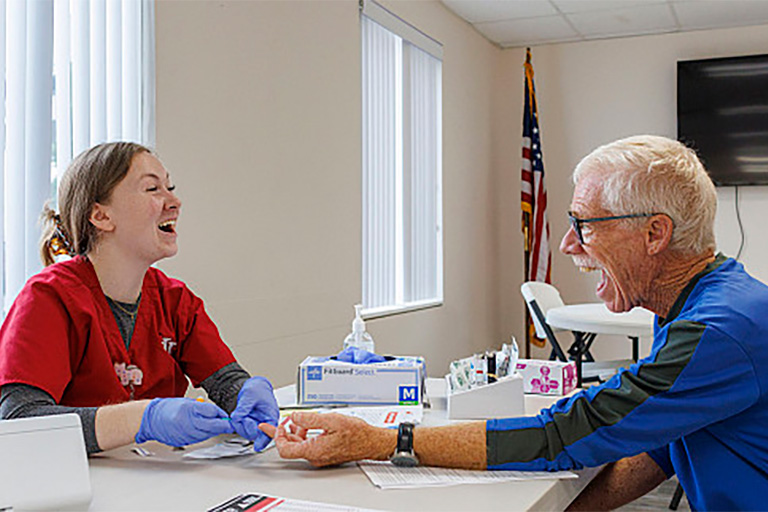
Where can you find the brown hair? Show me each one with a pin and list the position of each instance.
(88, 180)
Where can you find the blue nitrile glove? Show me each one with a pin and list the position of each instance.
(359, 356)
(255, 404)
(182, 421)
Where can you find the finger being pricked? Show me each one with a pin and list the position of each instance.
(280, 431)
(268, 429)
(297, 430)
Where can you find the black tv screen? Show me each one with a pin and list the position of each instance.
(722, 112)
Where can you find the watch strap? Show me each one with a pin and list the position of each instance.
(405, 437)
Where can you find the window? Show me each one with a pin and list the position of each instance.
(402, 165)
(74, 73)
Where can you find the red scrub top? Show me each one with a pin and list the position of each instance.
(61, 336)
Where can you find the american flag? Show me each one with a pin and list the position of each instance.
(534, 194)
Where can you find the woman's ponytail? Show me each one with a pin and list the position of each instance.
(54, 244)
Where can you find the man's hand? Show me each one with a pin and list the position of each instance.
(343, 439)
(255, 404)
(181, 421)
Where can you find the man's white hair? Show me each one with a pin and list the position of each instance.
(652, 174)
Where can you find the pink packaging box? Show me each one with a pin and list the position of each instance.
(544, 377)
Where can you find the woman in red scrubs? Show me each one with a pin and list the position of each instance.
(109, 337)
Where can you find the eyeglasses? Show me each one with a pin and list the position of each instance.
(577, 222)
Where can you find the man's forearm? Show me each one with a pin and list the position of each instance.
(346, 439)
(453, 446)
(619, 483)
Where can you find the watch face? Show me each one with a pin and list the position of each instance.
(403, 459)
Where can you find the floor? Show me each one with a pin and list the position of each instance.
(658, 499)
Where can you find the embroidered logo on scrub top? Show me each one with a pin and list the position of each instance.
(168, 344)
(130, 374)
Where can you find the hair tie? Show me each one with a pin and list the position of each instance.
(59, 244)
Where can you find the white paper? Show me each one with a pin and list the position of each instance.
(385, 475)
(388, 416)
(232, 447)
(266, 502)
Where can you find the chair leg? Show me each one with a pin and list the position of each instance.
(577, 352)
(548, 330)
(676, 498)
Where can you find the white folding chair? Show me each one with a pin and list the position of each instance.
(540, 298)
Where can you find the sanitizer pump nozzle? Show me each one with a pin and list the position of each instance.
(359, 337)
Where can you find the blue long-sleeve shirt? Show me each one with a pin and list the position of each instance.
(698, 404)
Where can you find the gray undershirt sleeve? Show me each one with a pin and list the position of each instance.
(224, 385)
(24, 401)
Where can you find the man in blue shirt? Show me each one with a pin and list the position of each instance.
(642, 215)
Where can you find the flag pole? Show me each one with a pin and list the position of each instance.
(527, 247)
(525, 278)
(533, 195)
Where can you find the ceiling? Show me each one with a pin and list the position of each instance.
(515, 23)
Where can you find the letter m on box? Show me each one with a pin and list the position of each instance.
(408, 395)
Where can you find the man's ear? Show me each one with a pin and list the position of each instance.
(100, 218)
(658, 234)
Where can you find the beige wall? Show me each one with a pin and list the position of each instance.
(594, 92)
(258, 120)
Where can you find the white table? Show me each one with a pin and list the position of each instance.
(588, 320)
(122, 480)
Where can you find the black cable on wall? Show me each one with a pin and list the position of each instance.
(738, 219)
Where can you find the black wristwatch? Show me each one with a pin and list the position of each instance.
(404, 455)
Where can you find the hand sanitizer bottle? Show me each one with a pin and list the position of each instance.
(358, 337)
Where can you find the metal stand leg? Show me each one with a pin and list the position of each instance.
(635, 348)
(578, 370)
(579, 351)
(676, 498)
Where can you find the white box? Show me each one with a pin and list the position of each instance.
(398, 381)
(43, 464)
(544, 377)
(501, 399)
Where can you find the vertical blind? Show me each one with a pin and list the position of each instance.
(424, 282)
(75, 73)
(381, 56)
(402, 164)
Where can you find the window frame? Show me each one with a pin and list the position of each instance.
(408, 265)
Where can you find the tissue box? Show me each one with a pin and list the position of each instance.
(397, 381)
(544, 377)
(501, 399)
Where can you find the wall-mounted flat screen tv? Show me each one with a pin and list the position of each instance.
(722, 112)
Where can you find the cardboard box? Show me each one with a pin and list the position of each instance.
(501, 399)
(398, 381)
(544, 377)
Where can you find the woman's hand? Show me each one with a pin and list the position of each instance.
(256, 404)
(182, 421)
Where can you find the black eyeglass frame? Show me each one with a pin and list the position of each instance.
(577, 222)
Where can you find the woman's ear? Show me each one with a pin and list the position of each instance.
(659, 234)
(100, 218)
